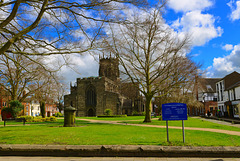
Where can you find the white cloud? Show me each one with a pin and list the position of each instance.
(227, 47)
(81, 66)
(189, 5)
(235, 8)
(226, 64)
(200, 26)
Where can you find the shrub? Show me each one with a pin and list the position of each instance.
(108, 112)
(43, 119)
(112, 116)
(7, 113)
(16, 107)
(58, 114)
(48, 119)
(143, 113)
(37, 119)
(135, 113)
(28, 118)
(52, 118)
(160, 118)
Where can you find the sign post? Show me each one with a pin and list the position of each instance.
(174, 111)
(167, 131)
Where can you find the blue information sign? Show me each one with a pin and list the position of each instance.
(174, 111)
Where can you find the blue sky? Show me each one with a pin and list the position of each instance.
(215, 29)
(214, 26)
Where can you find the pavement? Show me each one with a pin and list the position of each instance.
(112, 159)
(118, 151)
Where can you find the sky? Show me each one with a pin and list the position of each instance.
(214, 26)
(215, 29)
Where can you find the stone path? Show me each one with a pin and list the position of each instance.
(172, 127)
(219, 122)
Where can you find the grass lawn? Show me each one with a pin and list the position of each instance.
(191, 122)
(105, 134)
(114, 118)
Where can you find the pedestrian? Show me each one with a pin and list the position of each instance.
(208, 113)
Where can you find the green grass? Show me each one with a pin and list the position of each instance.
(114, 118)
(191, 122)
(106, 134)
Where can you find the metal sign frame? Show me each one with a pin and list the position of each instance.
(174, 111)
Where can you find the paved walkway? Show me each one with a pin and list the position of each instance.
(159, 126)
(219, 122)
(112, 159)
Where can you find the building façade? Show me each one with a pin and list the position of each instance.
(92, 95)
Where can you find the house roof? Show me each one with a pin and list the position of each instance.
(233, 86)
(231, 79)
(209, 84)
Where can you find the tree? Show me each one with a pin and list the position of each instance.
(152, 55)
(46, 27)
(42, 109)
(21, 77)
(60, 92)
(14, 109)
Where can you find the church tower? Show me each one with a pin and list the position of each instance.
(108, 67)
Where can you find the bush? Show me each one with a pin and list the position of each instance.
(108, 112)
(43, 119)
(15, 107)
(143, 113)
(135, 113)
(160, 118)
(48, 119)
(58, 114)
(112, 116)
(27, 118)
(7, 113)
(37, 119)
(52, 118)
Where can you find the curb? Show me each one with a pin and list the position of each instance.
(117, 151)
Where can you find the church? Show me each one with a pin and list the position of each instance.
(92, 95)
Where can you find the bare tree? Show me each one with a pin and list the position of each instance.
(21, 77)
(55, 27)
(60, 92)
(152, 55)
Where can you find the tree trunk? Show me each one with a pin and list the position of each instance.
(148, 106)
(42, 108)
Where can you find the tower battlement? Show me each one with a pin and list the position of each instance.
(108, 67)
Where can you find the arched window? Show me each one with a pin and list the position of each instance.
(91, 97)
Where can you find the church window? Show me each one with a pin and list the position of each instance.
(91, 97)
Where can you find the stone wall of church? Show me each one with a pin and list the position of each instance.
(105, 99)
(112, 102)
